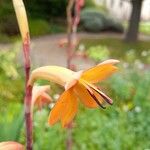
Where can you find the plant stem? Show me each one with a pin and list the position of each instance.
(28, 118)
(28, 93)
(72, 21)
(24, 30)
(69, 32)
(69, 140)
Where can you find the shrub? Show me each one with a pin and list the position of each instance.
(94, 20)
(98, 53)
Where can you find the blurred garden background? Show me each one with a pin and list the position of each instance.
(118, 29)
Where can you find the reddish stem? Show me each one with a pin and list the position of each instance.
(73, 22)
(69, 32)
(28, 118)
(28, 93)
(69, 140)
(70, 49)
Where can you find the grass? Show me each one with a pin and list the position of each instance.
(120, 49)
(145, 28)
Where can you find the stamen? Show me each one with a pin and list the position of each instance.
(96, 100)
(105, 97)
(96, 89)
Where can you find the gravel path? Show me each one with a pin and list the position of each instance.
(46, 51)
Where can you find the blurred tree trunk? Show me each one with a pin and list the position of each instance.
(132, 32)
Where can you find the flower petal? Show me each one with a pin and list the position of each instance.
(44, 99)
(100, 72)
(70, 109)
(109, 61)
(56, 112)
(10, 145)
(39, 96)
(75, 77)
(59, 75)
(22, 18)
(84, 96)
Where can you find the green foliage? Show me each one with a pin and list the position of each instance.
(38, 27)
(52, 137)
(10, 78)
(11, 94)
(8, 66)
(11, 90)
(131, 85)
(89, 3)
(46, 9)
(113, 129)
(11, 122)
(98, 53)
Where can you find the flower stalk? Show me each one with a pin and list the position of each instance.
(69, 32)
(24, 30)
(28, 93)
(70, 49)
(28, 117)
(73, 21)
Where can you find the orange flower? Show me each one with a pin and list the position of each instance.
(10, 145)
(40, 96)
(77, 84)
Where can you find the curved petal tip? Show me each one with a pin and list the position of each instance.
(109, 61)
